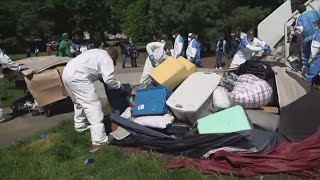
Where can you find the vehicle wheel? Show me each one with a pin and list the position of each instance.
(34, 113)
(47, 112)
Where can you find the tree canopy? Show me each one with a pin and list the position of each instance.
(24, 20)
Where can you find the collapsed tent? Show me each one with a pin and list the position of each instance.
(301, 118)
(300, 159)
(197, 146)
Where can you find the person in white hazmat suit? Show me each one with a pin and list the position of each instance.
(178, 45)
(6, 62)
(78, 77)
(247, 47)
(192, 48)
(158, 52)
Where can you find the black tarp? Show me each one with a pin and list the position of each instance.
(301, 119)
(194, 145)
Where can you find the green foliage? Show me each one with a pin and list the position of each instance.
(136, 23)
(208, 18)
(139, 19)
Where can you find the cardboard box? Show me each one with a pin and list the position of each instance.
(47, 87)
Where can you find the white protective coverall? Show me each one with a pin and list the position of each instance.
(6, 62)
(78, 77)
(192, 50)
(155, 49)
(246, 51)
(178, 46)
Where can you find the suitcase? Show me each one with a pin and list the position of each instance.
(230, 120)
(193, 99)
(151, 101)
(170, 73)
(191, 68)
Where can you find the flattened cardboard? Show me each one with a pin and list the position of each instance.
(36, 65)
(46, 87)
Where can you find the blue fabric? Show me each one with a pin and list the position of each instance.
(198, 57)
(243, 43)
(181, 40)
(317, 38)
(308, 20)
(151, 57)
(123, 57)
(314, 70)
(306, 51)
(182, 53)
(195, 44)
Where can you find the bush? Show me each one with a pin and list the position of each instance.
(12, 45)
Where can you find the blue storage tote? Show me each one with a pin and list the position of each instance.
(151, 101)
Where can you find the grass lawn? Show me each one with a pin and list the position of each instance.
(61, 156)
(9, 93)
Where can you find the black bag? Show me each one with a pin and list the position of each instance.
(263, 71)
(118, 101)
(258, 68)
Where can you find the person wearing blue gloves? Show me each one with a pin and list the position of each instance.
(158, 52)
(306, 25)
(314, 60)
(192, 48)
(247, 47)
(78, 77)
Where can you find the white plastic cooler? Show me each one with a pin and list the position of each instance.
(193, 98)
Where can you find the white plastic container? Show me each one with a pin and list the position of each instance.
(193, 98)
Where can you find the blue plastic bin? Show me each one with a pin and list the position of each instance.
(151, 101)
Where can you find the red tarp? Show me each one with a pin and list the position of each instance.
(301, 159)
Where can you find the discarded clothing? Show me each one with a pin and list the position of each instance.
(159, 122)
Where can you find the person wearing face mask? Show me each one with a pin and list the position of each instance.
(158, 52)
(78, 77)
(307, 27)
(192, 48)
(178, 45)
(247, 47)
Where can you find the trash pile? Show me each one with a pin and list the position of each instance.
(197, 114)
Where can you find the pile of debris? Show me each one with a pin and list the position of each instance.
(252, 110)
